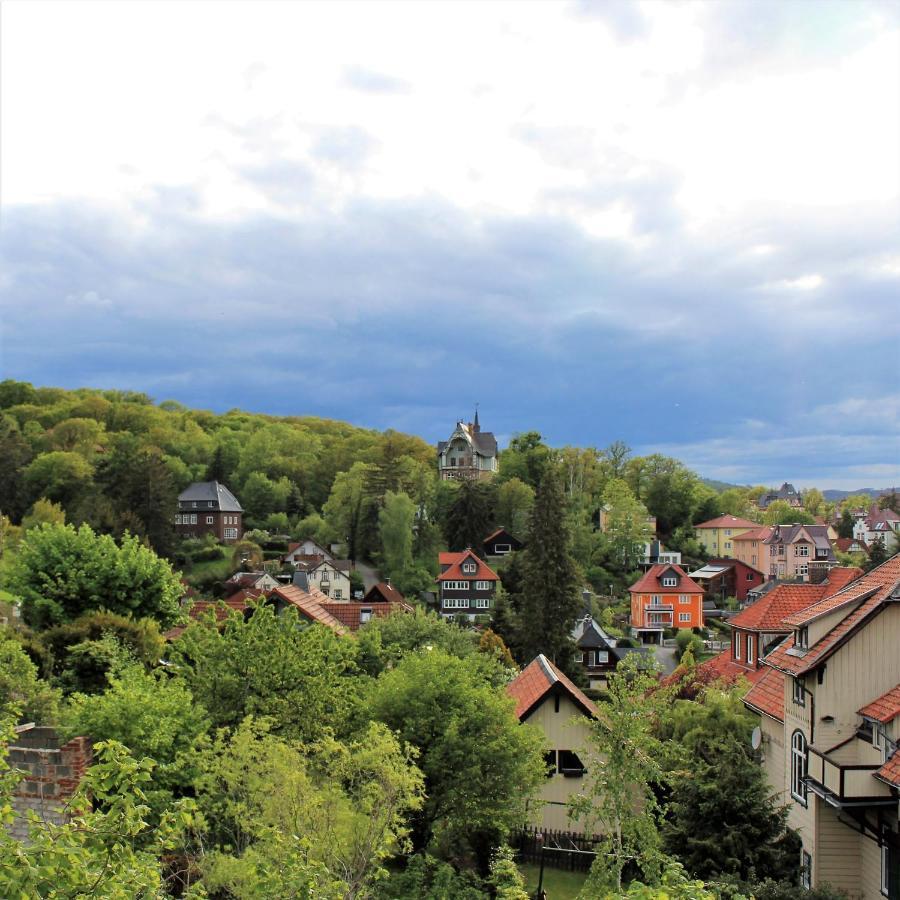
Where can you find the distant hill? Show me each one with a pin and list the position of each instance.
(872, 492)
(721, 485)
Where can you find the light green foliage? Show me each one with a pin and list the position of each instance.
(736, 502)
(626, 524)
(427, 878)
(349, 509)
(107, 850)
(514, 502)
(43, 512)
(78, 435)
(480, 765)
(22, 692)
(686, 642)
(505, 878)
(525, 459)
(624, 765)
(247, 555)
(813, 501)
(673, 884)
(780, 512)
(270, 666)
(395, 527)
(668, 489)
(283, 820)
(59, 475)
(150, 713)
(260, 496)
(61, 572)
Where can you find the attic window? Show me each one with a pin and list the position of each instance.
(669, 581)
(468, 567)
(569, 764)
(801, 638)
(365, 614)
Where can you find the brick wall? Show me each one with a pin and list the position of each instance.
(52, 772)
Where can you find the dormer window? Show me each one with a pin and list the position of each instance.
(469, 567)
(365, 615)
(669, 581)
(801, 638)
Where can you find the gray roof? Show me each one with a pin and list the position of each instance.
(206, 491)
(484, 441)
(787, 534)
(587, 633)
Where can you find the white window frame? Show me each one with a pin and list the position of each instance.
(456, 585)
(669, 581)
(684, 617)
(482, 585)
(177, 520)
(602, 657)
(338, 594)
(210, 520)
(230, 534)
(579, 657)
(656, 599)
(469, 567)
(194, 518)
(737, 645)
(502, 549)
(801, 550)
(799, 766)
(482, 603)
(799, 692)
(684, 598)
(750, 657)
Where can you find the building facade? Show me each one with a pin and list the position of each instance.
(717, 535)
(723, 578)
(664, 597)
(466, 586)
(208, 507)
(748, 547)
(468, 454)
(799, 551)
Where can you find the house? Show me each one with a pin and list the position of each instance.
(466, 586)
(717, 535)
(500, 543)
(469, 453)
(799, 551)
(664, 597)
(249, 581)
(655, 553)
(851, 545)
(353, 615)
(383, 592)
(546, 699)
(597, 653)
(747, 547)
(331, 577)
(829, 706)
(756, 629)
(305, 552)
(879, 523)
(207, 507)
(722, 578)
(309, 605)
(786, 492)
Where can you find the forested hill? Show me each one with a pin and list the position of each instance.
(117, 460)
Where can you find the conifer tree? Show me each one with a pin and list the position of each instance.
(470, 518)
(549, 602)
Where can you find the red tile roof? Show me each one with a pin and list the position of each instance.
(863, 598)
(454, 560)
(756, 534)
(308, 606)
(650, 581)
(723, 666)
(728, 522)
(350, 614)
(890, 771)
(533, 683)
(885, 708)
(767, 695)
(383, 592)
(769, 612)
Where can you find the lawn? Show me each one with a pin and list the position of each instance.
(558, 884)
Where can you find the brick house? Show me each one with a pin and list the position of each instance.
(466, 586)
(207, 507)
(722, 578)
(664, 597)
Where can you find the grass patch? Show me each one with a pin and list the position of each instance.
(558, 884)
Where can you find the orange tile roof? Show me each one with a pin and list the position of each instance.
(755, 534)
(308, 606)
(723, 666)
(769, 612)
(863, 598)
(839, 577)
(890, 771)
(767, 695)
(650, 582)
(533, 683)
(728, 522)
(349, 614)
(885, 708)
(483, 573)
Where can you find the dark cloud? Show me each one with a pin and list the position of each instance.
(372, 82)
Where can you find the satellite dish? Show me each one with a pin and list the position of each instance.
(756, 738)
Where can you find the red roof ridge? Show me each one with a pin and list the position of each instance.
(724, 521)
(483, 571)
(530, 686)
(649, 581)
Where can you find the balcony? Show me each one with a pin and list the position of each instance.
(846, 784)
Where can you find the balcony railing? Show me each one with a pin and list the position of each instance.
(845, 784)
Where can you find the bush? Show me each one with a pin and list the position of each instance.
(788, 890)
(207, 553)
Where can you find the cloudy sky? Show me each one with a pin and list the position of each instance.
(671, 223)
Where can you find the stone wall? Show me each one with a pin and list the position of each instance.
(52, 772)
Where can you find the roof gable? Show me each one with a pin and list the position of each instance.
(651, 581)
(483, 572)
(538, 680)
(728, 521)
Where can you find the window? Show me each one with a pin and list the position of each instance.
(177, 520)
(880, 741)
(569, 764)
(338, 595)
(502, 549)
(669, 581)
(727, 545)
(456, 585)
(798, 767)
(450, 618)
(802, 550)
(750, 658)
(801, 638)
(799, 693)
(885, 862)
(803, 569)
(728, 532)
(482, 602)
(194, 517)
(805, 870)
(469, 567)
(655, 600)
(210, 520)
(482, 585)
(737, 645)
(750, 574)
(684, 617)
(579, 657)
(602, 657)
(365, 614)
(684, 598)
(230, 534)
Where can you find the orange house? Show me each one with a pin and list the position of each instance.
(664, 597)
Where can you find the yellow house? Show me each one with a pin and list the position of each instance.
(547, 699)
(717, 534)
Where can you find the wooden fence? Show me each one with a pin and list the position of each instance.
(529, 842)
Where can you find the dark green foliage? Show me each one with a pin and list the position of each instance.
(526, 458)
(788, 889)
(550, 600)
(427, 878)
(471, 517)
(845, 525)
(877, 554)
(16, 453)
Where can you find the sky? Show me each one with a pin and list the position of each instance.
(674, 224)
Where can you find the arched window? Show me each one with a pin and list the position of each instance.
(798, 766)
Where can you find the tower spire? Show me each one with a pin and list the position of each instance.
(477, 427)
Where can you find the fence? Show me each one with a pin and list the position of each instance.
(530, 841)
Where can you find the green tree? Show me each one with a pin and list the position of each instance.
(269, 666)
(261, 496)
(877, 554)
(514, 502)
(526, 458)
(471, 517)
(627, 528)
(43, 512)
(505, 878)
(550, 601)
(813, 501)
(780, 512)
(395, 526)
(890, 501)
(349, 510)
(61, 573)
(61, 476)
(480, 765)
(16, 453)
(247, 555)
(845, 525)
(22, 692)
